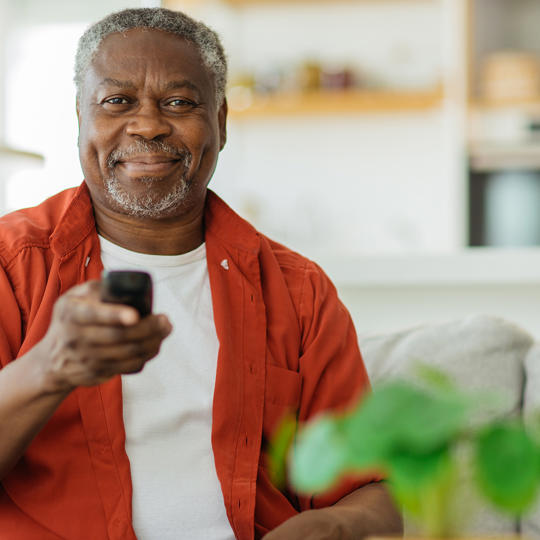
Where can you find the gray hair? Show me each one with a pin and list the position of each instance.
(174, 22)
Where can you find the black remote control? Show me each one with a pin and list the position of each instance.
(128, 287)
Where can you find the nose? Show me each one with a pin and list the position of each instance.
(148, 121)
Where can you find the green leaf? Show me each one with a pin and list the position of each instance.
(423, 485)
(403, 415)
(368, 447)
(413, 471)
(507, 464)
(278, 450)
(434, 377)
(533, 426)
(319, 456)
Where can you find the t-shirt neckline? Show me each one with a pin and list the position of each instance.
(147, 259)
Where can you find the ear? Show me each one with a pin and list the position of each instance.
(222, 120)
(78, 111)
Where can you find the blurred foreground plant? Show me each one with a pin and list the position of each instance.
(420, 437)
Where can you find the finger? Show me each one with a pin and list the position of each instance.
(125, 358)
(129, 367)
(153, 325)
(91, 289)
(84, 310)
(138, 349)
(125, 367)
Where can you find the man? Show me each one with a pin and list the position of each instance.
(89, 447)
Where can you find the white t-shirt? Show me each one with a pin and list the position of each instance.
(168, 406)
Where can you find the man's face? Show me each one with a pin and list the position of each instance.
(149, 128)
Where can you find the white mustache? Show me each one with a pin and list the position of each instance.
(143, 147)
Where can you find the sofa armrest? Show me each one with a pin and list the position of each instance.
(482, 353)
(530, 523)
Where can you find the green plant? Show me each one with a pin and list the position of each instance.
(423, 440)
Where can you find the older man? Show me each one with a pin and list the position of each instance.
(88, 448)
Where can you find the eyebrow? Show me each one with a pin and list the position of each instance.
(172, 85)
(116, 82)
(179, 84)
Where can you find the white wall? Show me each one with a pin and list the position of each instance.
(382, 309)
(355, 183)
(4, 18)
(367, 183)
(386, 309)
(388, 293)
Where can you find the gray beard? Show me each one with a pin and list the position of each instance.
(149, 204)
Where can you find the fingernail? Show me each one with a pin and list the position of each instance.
(128, 317)
(165, 324)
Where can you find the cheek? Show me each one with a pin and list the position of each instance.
(94, 145)
(203, 141)
(88, 155)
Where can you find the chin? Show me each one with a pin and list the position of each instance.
(152, 204)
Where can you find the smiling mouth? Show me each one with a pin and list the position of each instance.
(145, 165)
(149, 159)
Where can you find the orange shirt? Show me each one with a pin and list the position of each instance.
(286, 342)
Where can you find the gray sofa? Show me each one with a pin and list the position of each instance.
(484, 354)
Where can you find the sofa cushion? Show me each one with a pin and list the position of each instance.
(482, 353)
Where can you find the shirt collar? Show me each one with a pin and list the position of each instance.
(76, 223)
(221, 222)
(228, 227)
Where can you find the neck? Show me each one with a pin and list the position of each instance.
(156, 237)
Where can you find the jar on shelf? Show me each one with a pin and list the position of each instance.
(511, 76)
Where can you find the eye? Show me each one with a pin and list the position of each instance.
(179, 103)
(116, 101)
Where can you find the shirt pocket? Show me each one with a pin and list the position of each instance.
(283, 390)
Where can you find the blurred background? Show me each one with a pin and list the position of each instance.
(396, 142)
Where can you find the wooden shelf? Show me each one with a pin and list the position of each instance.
(336, 102)
(14, 153)
(183, 4)
(490, 156)
(486, 105)
(246, 3)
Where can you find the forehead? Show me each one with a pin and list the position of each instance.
(142, 54)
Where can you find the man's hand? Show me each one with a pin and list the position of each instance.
(89, 341)
(312, 525)
(368, 511)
